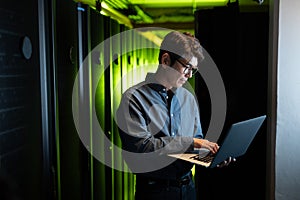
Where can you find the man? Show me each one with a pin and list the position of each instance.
(159, 116)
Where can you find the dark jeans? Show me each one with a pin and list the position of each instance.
(153, 189)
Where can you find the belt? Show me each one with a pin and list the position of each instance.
(184, 180)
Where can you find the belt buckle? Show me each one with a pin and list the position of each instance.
(151, 182)
(184, 181)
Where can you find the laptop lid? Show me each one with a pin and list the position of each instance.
(238, 139)
(235, 144)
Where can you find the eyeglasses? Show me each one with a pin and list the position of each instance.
(188, 68)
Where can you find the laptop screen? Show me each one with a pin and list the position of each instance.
(238, 139)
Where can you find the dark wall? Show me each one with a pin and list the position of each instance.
(20, 124)
(238, 43)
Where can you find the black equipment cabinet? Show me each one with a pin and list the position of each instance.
(238, 43)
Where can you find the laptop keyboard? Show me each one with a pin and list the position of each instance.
(206, 159)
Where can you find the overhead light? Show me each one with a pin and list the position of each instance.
(108, 11)
(179, 3)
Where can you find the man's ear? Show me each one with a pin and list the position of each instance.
(165, 60)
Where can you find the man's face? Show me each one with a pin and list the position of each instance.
(181, 71)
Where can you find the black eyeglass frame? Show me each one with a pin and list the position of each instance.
(188, 68)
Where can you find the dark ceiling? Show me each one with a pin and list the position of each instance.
(170, 14)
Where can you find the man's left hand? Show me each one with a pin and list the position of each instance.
(226, 162)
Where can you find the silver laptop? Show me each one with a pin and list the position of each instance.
(235, 144)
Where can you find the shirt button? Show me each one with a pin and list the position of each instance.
(172, 115)
(173, 133)
(167, 97)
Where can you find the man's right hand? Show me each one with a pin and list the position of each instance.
(203, 143)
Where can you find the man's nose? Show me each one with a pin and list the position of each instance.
(189, 74)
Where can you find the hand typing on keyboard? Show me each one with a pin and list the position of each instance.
(207, 158)
(212, 148)
(203, 143)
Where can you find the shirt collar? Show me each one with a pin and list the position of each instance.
(154, 84)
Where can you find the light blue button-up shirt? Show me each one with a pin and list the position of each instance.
(150, 118)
